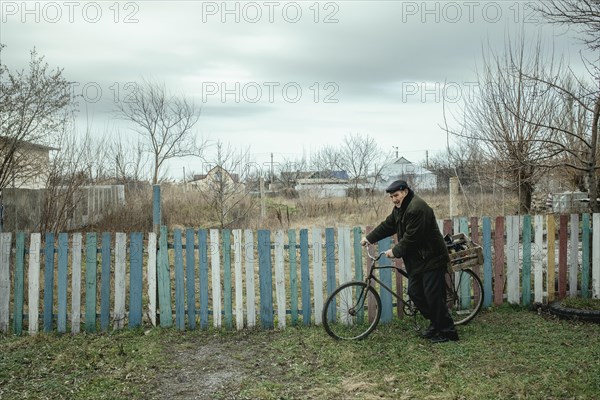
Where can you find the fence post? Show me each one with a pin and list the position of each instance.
(156, 214)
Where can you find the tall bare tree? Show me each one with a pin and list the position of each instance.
(164, 121)
(35, 107)
(506, 116)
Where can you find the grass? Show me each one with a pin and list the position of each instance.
(581, 303)
(506, 353)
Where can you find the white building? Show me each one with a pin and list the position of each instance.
(416, 176)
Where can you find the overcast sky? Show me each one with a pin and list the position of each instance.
(279, 77)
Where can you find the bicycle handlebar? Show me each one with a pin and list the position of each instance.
(372, 257)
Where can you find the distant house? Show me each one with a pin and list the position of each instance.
(417, 177)
(31, 163)
(217, 179)
(323, 184)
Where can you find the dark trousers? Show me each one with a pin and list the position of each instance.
(427, 290)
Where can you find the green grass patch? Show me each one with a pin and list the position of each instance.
(505, 353)
(581, 303)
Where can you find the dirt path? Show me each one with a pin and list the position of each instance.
(210, 367)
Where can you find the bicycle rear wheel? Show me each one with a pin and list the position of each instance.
(464, 295)
(351, 311)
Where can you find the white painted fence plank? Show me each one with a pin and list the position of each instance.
(76, 282)
(215, 264)
(344, 254)
(512, 259)
(538, 258)
(151, 272)
(317, 251)
(596, 256)
(34, 282)
(573, 255)
(280, 279)
(120, 263)
(250, 289)
(5, 250)
(238, 277)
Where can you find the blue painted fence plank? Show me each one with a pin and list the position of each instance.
(63, 256)
(293, 276)
(487, 261)
(227, 297)
(19, 284)
(203, 257)
(265, 276)
(179, 281)
(48, 281)
(358, 266)
(190, 272)
(136, 251)
(163, 275)
(386, 277)
(585, 255)
(305, 276)
(91, 260)
(526, 264)
(330, 266)
(105, 283)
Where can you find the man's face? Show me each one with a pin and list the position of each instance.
(398, 196)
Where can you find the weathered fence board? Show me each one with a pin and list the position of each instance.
(512, 259)
(49, 281)
(163, 275)
(551, 235)
(120, 267)
(499, 261)
(265, 276)
(595, 284)
(91, 260)
(562, 255)
(190, 278)
(136, 252)
(203, 257)
(151, 272)
(237, 262)
(305, 277)
(227, 295)
(386, 278)
(179, 280)
(487, 261)
(538, 259)
(77, 246)
(526, 264)
(215, 269)
(5, 250)
(104, 283)
(585, 255)
(280, 279)
(573, 254)
(63, 265)
(250, 292)
(317, 267)
(33, 293)
(19, 283)
(293, 276)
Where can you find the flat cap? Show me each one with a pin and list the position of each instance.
(397, 185)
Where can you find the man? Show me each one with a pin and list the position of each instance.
(422, 247)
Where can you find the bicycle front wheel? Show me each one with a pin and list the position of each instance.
(352, 311)
(464, 295)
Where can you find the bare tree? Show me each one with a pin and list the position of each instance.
(289, 172)
(506, 116)
(583, 15)
(35, 107)
(127, 160)
(223, 188)
(165, 123)
(68, 173)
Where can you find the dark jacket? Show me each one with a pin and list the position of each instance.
(420, 243)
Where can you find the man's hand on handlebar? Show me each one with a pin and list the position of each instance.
(389, 254)
(364, 241)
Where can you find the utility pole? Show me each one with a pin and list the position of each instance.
(272, 171)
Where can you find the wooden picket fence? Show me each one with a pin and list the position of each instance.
(245, 278)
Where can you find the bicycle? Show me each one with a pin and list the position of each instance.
(352, 311)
